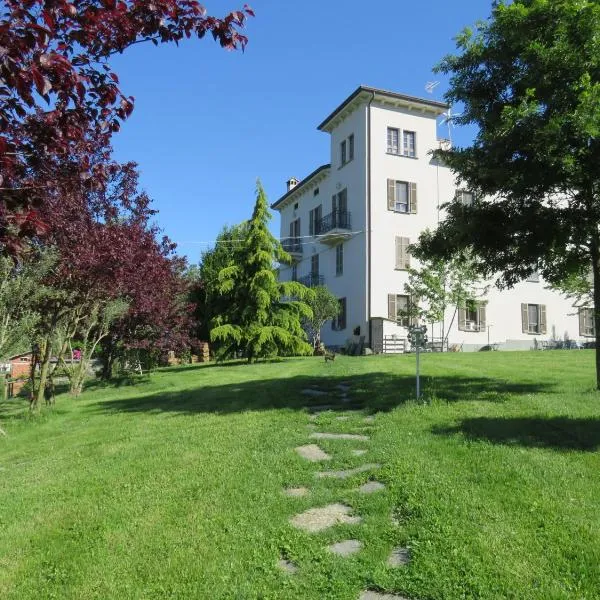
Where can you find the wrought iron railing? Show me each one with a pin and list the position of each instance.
(292, 245)
(312, 280)
(338, 219)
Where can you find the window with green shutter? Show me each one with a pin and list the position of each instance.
(402, 259)
(533, 318)
(402, 196)
(339, 259)
(586, 322)
(472, 316)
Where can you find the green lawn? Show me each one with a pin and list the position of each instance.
(172, 487)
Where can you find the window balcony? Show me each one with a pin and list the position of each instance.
(312, 280)
(293, 246)
(335, 227)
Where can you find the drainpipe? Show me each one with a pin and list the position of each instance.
(369, 259)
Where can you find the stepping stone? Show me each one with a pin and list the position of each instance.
(317, 519)
(313, 393)
(312, 452)
(370, 487)
(399, 557)
(348, 472)
(339, 436)
(345, 548)
(287, 566)
(369, 595)
(296, 492)
(358, 452)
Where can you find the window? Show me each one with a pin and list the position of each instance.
(339, 323)
(409, 144)
(314, 266)
(533, 317)
(586, 322)
(347, 150)
(472, 317)
(402, 196)
(296, 206)
(339, 259)
(295, 229)
(402, 253)
(399, 308)
(393, 140)
(465, 197)
(339, 201)
(316, 192)
(314, 220)
(294, 272)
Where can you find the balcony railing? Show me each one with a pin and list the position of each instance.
(312, 280)
(338, 219)
(292, 245)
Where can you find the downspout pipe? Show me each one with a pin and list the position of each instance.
(369, 258)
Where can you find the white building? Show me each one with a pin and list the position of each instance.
(348, 223)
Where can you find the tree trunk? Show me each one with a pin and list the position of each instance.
(595, 251)
(44, 369)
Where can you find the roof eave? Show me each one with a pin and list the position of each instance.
(317, 175)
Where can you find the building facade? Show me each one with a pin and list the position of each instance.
(348, 224)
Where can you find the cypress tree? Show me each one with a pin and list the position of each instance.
(264, 316)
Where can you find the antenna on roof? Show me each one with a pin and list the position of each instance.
(448, 119)
(430, 86)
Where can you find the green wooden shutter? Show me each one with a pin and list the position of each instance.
(292, 229)
(405, 252)
(481, 311)
(525, 318)
(392, 314)
(298, 230)
(462, 319)
(542, 317)
(391, 194)
(334, 203)
(311, 223)
(582, 321)
(399, 257)
(412, 197)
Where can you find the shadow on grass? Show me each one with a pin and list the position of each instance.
(557, 433)
(372, 392)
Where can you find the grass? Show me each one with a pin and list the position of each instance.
(171, 488)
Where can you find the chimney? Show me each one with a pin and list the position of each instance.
(292, 182)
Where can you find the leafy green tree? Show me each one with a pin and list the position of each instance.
(528, 78)
(440, 284)
(324, 306)
(21, 290)
(205, 291)
(264, 316)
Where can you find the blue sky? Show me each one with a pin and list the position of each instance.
(208, 122)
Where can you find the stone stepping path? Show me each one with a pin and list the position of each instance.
(348, 472)
(370, 487)
(313, 393)
(313, 453)
(339, 436)
(369, 595)
(345, 548)
(296, 492)
(318, 519)
(287, 566)
(358, 452)
(399, 557)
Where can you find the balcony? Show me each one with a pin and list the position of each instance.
(312, 280)
(335, 227)
(293, 246)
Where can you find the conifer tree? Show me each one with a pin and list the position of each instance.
(264, 316)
